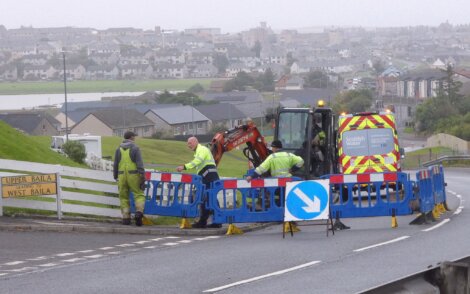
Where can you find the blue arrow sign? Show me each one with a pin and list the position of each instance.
(307, 200)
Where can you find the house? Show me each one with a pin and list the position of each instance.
(130, 71)
(39, 72)
(114, 122)
(180, 120)
(32, 123)
(73, 72)
(169, 70)
(204, 71)
(217, 86)
(423, 84)
(8, 73)
(251, 103)
(223, 115)
(387, 81)
(102, 72)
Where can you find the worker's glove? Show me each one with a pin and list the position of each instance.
(143, 185)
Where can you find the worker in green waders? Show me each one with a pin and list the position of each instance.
(130, 173)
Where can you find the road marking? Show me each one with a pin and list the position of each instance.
(113, 252)
(458, 210)
(48, 264)
(3, 274)
(106, 248)
(151, 247)
(38, 258)
(172, 237)
(125, 245)
(94, 256)
(73, 259)
(14, 262)
(458, 196)
(308, 264)
(381, 244)
(64, 254)
(142, 242)
(436, 226)
(156, 239)
(86, 251)
(170, 244)
(22, 269)
(185, 241)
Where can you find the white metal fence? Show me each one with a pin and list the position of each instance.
(75, 184)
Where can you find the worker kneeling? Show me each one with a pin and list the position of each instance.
(279, 164)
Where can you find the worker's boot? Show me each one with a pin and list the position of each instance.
(138, 218)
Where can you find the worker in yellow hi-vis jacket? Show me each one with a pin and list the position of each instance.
(204, 164)
(130, 173)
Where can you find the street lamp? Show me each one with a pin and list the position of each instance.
(65, 93)
(192, 115)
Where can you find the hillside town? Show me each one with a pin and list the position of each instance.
(401, 66)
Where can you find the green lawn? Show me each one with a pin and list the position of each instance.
(51, 87)
(17, 146)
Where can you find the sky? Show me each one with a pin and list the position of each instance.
(231, 16)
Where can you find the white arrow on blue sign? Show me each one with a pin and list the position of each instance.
(307, 200)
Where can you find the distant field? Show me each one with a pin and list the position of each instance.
(7, 88)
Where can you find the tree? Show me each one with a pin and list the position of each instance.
(378, 66)
(353, 101)
(196, 88)
(75, 150)
(316, 79)
(221, 62)
(451, 89)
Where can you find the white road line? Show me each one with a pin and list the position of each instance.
(64, 254)
(156, 239)
(263, 276)
(381, 244)
(14, 262)
(48, 264)
(185, 241)
(86, 251)
(23, 269)
(450, 191)
(3, 274)
(113, 252)
(458, 210)
(151, 247)
(94, 256)
(38, 258)
(125, 245)
(437, 226)
(172, 237)
(213, 237)
(73, 259)
(106, 248)
(199, 239)
(142, 242)
(170, 244)
(458, 196)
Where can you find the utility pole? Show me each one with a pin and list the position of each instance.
(65, 93)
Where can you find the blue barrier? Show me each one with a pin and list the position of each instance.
(425, 191)
(239, 201)
(438, 184)
(172, 194)
(366, 195)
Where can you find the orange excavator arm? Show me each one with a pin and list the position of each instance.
(256, 150)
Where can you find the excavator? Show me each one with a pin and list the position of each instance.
(296, 128)
(256, 150)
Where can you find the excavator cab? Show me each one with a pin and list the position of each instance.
(308, 133)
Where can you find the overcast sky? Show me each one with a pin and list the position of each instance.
(230, 16)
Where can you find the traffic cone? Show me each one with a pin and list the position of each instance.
(185, 224)
(394, 222)
(233, 230)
